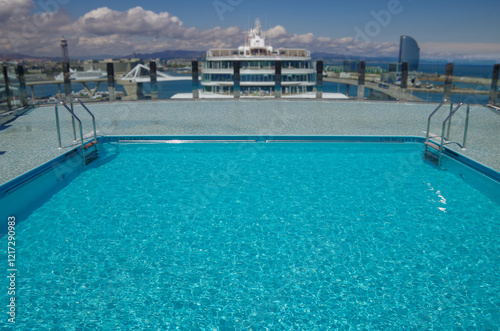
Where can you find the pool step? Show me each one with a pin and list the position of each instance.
(433, 152)
(92, 155)
(90, 144)
(432, 145)
(433, 157)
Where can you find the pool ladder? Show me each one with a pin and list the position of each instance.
(87, 156)
(434, 151)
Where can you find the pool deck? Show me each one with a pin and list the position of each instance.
(31, 139)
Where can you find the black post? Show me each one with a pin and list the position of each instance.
(448, 80)
(277, 80)
(404, 75)
(111, 81)
(154, 80)
(361, 79)
(404, 80)
(236, 88)
(319, 79)
(67, 81)
(494, 84)
(194, 66)
(7, 89)
(22, 86)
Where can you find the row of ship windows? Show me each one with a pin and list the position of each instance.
(258, 65)
(258, 78)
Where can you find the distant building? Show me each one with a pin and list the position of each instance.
(354, 68)
(351, 66)
(179, 62)
(409, 52)
(121, 66)
(334, 68)
(394, 67)
(373, 70)
(35, 70)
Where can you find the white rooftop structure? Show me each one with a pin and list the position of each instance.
(257, 62)
(255, 41)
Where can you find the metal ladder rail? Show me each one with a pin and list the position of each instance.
(90, 113)
(432, 114)
(466, 128)
(448, 119)
(59, 130)
(434, 146)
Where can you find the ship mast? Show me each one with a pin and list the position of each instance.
(255, 37)
(258, 27)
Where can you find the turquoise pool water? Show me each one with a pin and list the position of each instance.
(278, 236)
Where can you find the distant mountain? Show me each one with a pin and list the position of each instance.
(17, 57)
(165, 55)
(339, 58)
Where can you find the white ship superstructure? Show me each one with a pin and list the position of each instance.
(83, 75)
(257, 61)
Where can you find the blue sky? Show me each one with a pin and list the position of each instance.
(443, 28)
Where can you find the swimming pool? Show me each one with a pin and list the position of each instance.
(311, 233)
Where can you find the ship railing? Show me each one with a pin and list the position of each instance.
(280, 52)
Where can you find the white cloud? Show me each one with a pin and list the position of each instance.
(346, 46)
(136, 21)
(23, 32)
(153, 30)
(277, 32)
(15, 8)
(107, 31)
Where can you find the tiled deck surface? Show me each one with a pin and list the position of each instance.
(31, 139)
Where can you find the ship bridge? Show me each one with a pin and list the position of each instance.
(255, 42)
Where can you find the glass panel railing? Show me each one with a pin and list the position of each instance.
(470, 83)
(12, 87)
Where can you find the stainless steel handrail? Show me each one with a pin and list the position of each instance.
(88, 111)
(448, 119)
(466, 121)
(73, 117)
(59, 130)
(432, 114)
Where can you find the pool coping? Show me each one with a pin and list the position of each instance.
(31, 175)
(259, 138)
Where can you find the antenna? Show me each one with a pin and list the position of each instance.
(267, 29)
(247, 29)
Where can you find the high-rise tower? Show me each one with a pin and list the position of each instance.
(409, 52)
